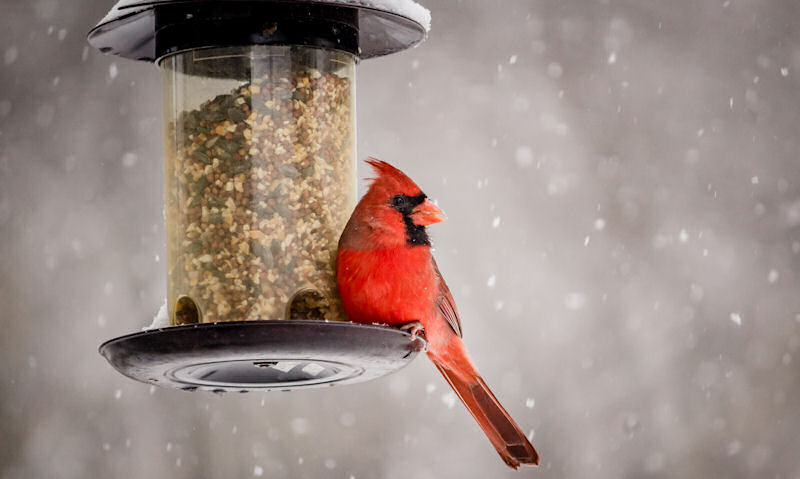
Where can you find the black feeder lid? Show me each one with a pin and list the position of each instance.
(150, 29)
(245, 356)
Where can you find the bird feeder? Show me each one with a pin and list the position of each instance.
(260, 179)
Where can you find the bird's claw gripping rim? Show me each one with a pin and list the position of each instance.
(414, 328)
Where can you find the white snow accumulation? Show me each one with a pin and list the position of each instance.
(405, 8)
(161, 319)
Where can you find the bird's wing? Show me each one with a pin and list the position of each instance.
(446, 304)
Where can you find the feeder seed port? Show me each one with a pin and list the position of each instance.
(186, 311)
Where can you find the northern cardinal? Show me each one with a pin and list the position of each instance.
(386, 274)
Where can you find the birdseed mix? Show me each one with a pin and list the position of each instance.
(260, 186)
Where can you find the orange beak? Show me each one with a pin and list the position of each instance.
(427, 214)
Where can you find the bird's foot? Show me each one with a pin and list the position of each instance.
(413, 328)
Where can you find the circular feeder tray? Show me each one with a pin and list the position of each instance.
(261, 355)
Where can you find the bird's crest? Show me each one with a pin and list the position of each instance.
(391, 179)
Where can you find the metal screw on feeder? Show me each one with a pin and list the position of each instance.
(259, 116)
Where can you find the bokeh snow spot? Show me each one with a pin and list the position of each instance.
(575, 301)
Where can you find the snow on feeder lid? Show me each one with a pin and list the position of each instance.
(260, 180)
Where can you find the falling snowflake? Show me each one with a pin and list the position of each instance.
(772, 276)
(599, 224)
(734, 447)
(575, 301)
(300, 425)
(523, 156)
(11, 55)
(129, 159)
(554, 70)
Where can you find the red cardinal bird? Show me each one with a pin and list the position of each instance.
(386, 274)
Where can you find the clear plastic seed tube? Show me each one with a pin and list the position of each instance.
(260, 181)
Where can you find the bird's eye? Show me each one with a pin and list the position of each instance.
(398, 201)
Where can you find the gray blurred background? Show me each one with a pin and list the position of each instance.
(623, 191)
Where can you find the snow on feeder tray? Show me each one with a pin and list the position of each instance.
(260, 179)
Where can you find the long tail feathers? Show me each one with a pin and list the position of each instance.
(504, 434)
